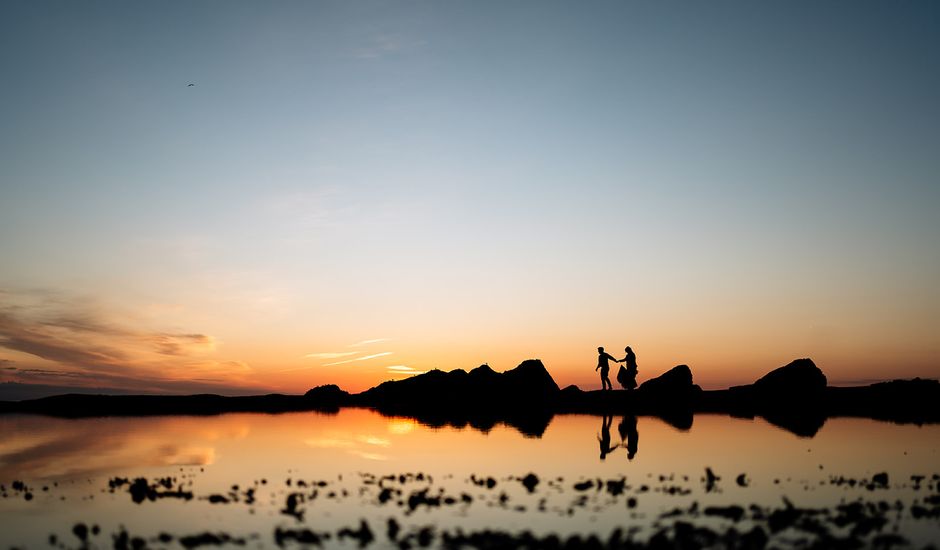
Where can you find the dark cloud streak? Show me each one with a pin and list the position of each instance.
(94, 351)
(29, 337)
(178, 344)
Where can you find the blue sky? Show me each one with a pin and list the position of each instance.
(726, 184)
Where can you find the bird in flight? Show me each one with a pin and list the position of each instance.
(190, 84)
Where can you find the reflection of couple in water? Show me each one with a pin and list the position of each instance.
(626, 376)
(627, 429)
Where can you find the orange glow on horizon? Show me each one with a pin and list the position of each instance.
(232, 356)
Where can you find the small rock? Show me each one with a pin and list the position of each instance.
(530, 482)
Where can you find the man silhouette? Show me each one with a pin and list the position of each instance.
(603, 359)
(603, 438)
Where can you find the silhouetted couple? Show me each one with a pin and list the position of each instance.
(629, 436)
(626, 376)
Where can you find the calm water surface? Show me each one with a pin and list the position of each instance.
(67, 465)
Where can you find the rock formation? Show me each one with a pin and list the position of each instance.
(523, 397)
(673, 385)
(795, 397)
(801, 377)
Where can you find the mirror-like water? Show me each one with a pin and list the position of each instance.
(333, 465)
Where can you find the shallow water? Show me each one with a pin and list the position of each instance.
(66, 466)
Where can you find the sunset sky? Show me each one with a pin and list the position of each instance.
(243, 197)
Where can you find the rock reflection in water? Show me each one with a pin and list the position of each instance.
(296, 478)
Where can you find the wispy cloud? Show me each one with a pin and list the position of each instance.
(331, 354)
(403, 370)
(374, 440)
(181, 344)
(365, 358)
(327, 355)
(387, 44)
(367, 342)
(339, 354)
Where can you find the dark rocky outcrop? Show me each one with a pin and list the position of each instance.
(676, 379)
(570, 393)
(795, 397)
(916, 400)
(799, 378)
(523, 397)
(791, 397)
(480, 387)
(329, 395)
(530, 376)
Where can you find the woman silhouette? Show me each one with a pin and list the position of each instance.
(627, 377)
(628, 432)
